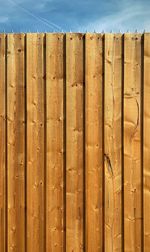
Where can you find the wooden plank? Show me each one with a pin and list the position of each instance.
(146, 154)
(94, 141)
(113, 142)
(132, 143)
(55, 142)
(2, 143)
(74, 142)
(16, 142)
(35, 143)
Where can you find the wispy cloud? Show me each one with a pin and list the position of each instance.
(128, 17)
(36, 16)
(75, 15)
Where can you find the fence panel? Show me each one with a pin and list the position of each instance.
(74, 142)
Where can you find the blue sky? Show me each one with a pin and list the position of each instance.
(74, 15)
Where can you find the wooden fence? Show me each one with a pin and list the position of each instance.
(74, 142)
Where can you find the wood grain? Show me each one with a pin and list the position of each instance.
(74, 142)
(55, 142)
(113, 142)
(146, 157)
(16, 142)
(94, 142)
(35, 143)
(2, 142)
(132, 143)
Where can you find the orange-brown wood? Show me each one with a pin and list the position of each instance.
(113, 142)
(35, 143)
(146, 158)
(16, 142)
(94, 142)
(74, 142)
(132, 143)
(2, 142)
(55, 87)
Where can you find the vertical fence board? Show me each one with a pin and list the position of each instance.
(74, 142)
(16, 142)
(35, 143)
(94, 142)
(146, 159)
(113, 142)
(2, 143)
(55, 141)
(132, 142)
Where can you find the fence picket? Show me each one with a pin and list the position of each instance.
(132, 143)
(74, 141)
(113, 142)
(94, 141)
(146, 158)
(35, 143)
(3, 229)
(55, 78)
(16, 142)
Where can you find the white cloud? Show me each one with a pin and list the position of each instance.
(128, 17)
(76, 15)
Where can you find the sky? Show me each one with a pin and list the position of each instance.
(74, 15)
